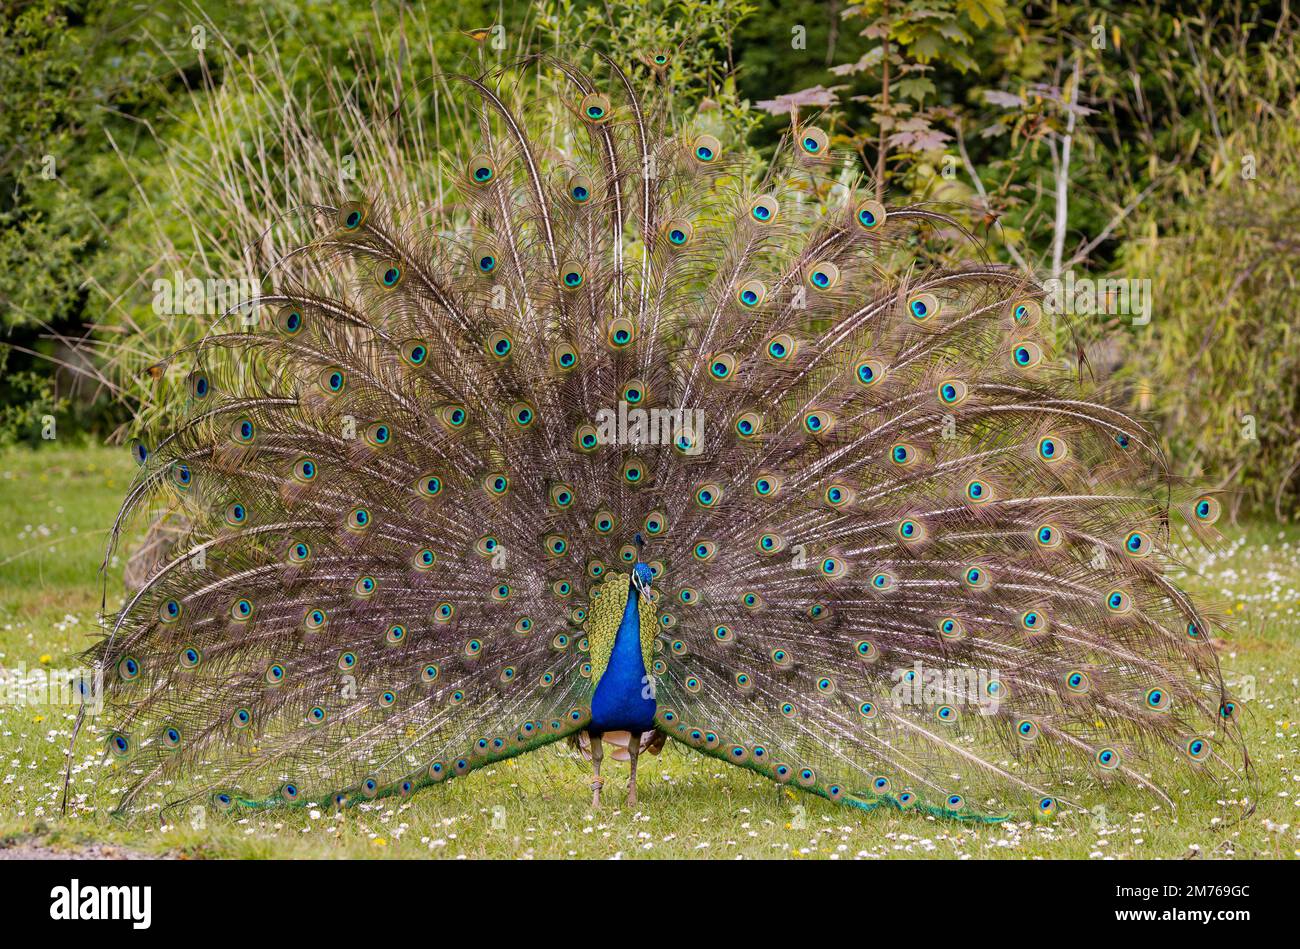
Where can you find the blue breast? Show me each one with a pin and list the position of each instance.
(618, 704)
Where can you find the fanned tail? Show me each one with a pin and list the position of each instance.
(901, 557)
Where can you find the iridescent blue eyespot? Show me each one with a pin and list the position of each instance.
(1108, 758)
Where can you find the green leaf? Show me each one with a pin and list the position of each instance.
(916, 88)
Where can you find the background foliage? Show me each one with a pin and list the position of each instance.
(1148, 141)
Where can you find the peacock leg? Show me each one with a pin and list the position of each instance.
(597, 752)
(633, 749)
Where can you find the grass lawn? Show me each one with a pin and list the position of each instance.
(56, 505)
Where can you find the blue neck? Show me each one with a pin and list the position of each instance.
(618, 704)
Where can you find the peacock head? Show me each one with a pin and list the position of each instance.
(641, 576)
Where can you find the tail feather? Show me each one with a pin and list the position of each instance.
(901, 556)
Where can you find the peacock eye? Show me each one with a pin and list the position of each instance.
(722, 366)
(869, 215)
(565, 357)
(352, 215)
(679, 232)
(978, 492)
(1118, 602)
(818, 421)
(813, 142)
(572, 275)
(242, 431)
(923, 307)
(415, 352)
(332, 380)
(748, 424)
(620, 333)
(561, 495)
(764, 209)
(633, 392)
(634, 472)
(580, 189)
(751, 294)
(656, 523)
(823, 275)
(708, 494)
(1034, 622)
(706, 149)
(832, 567)
(1206, 509)
(838, 495)
(1026, 355)
(429, 485)
(1025, 313)
(1138, 544)
(289, 320)
(595, 108)
(951, 629)
(953, 392)
(481, 169)
(1052, 449)
(522, 414)
(868, 371)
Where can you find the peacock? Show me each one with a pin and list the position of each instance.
(645, 441)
